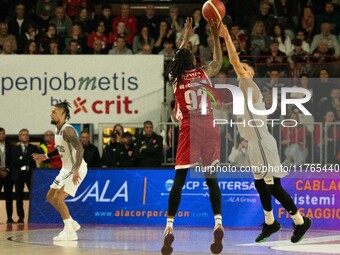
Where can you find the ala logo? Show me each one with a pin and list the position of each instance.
(102, 194)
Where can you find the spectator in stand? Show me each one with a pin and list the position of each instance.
(91, 153)
(77, 35)
(8, 48)
(265, 16)
(120, 47)
(304, 82)
(48, 146)
(148, 147)
(147, 50)
(176, 23)
(125, 151)
(63, 25)
(31, 33)
(73, 48)
(206, 53)
(274, 82)
(106, 17)
(332, 103)
(50, 34)
(294, 141)
(98, 35)
(307, 23)
(150, 20)
(298, 59)
(326, 35)
(53, 47)
(239, 35)
(287, 12)
(241, 15)
(110, 156)
(259, 41)
(142, 38)
(327, 140)
(31, 48)
(200, 23)
(239, 154)
(23, 166)
(276, 57)
(168, 51)
(164, 33)
(323, 54)
(17, 27)
(6, 166)
(44, 9)
(5, 36)
(305, 45)
(85, 22)
(330, 16)
(129, 21)
(121, 31)
(97, 48)
(72, 7)
(285, 44)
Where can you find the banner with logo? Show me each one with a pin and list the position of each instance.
(101, 89)
(140, 197)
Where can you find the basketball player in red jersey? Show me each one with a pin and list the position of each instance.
(198, 139)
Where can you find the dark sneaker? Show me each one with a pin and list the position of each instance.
(300, 230)
(216, 247)
(167, 241)
(267, 231)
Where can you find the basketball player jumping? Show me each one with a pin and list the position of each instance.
(197, 138)
(263, 152)
(73, 170)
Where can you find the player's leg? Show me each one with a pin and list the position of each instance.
(301, 223)
(173, 204)
(270, 225)
(56, 197)
(215, 200)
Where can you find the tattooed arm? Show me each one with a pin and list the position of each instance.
(71, 137)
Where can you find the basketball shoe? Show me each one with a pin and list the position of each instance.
(267, 231)
(217, 246)
(168, 239)
(300, 230)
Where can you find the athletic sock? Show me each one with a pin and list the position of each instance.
(68, 224)
(268, 217)
(297, 218)
(169, 223)
(218, 219)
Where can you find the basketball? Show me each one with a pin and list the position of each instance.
(213, 10)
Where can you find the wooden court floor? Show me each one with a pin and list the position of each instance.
(103, 240)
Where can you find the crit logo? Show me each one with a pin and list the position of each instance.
(80, 105)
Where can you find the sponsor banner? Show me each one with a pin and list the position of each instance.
(140, 197)
(122, 89)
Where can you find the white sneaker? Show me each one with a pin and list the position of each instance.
(75, 225)
(66, 235)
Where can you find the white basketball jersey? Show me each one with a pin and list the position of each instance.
(252, 126)
(65, 149)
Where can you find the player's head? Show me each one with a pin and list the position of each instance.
(249, 68)
(184, 60)
(60, 112)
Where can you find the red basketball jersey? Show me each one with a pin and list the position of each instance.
(191, 95)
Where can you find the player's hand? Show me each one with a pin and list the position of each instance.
(188, 30)
(215, 27)
(39, 157)
(76, 178)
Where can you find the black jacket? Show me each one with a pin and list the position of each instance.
(148, 151)
(91, 156)
(21, 159)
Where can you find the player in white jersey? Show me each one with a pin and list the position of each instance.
(73, 169)
(263, 153)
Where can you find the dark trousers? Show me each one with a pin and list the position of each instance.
(8, 191)
(23, 177)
